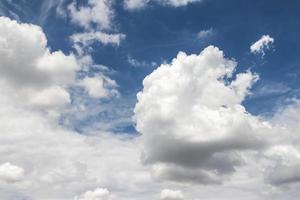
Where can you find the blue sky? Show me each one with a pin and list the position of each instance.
(188, 135)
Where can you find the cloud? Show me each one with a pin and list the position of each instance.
(139, 4)
(29, 70)
(11, 173)
(136, 63)
(99, 86)
(97, 13)
(97, 194)
(205, 33)
(89, 38)
(192, 119)
(167, 194)
(96, 18)
(135, 4)
(263, 44)
(63, 164)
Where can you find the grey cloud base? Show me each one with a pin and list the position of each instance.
(195, 128)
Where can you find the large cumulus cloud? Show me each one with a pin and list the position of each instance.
(39, 159)
(192, 120)
(30, 73)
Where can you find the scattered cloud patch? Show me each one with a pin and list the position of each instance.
(198, 117)
(263, 44)
(96, 13)
(11, 173)
(136, 63)
(88, 38)
(139, 4)
(266, 89)
(205, 33)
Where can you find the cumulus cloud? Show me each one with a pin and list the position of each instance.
(88, 38)
(167, 194)
(30, 73)
(59, 163)
(283, 166)
(11, 173)
(192, 120)
(263, 44)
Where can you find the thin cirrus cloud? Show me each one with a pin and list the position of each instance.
(139, 4)
(196, 130)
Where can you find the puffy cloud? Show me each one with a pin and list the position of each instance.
(99, 86)
(97, 12)
(263, 44)
(59, 163)
(29, 72)
(11, 173)
(62, 164)
(177, 3)
(285, 165)
(167, 194)
(193, 123)
(138, 4)
(97, 194)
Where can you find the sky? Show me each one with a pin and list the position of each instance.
(149, 100)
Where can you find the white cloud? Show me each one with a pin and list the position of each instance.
(205, 33)
(167, 194)
(263, 44)
(136, 63)
(97, 194)
(96, 18)
(192, 119)
(138, 4)
(11, 173)
(177, 3)
(195, 130)
(99, 86)
(135, 4)
(59, 163)
(97, 13)
(88, 38)
(29, 72)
